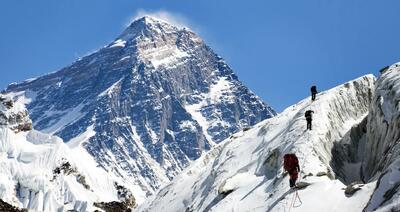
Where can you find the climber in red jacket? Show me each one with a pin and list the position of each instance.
(291, 165)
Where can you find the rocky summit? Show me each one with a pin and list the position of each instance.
(145, 105)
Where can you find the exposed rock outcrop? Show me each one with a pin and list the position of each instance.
(112, 206)
(125, 196)
(16, 118)
(66, 169)
(5, 207)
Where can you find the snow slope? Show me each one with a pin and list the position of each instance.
(41, 173)
(244, 173)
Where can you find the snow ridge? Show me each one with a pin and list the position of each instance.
(244, 172)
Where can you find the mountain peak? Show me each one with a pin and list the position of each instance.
(150, 20)
(147, 26)
(158, 42)
(147, 21)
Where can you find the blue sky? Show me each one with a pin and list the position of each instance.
(277, 48)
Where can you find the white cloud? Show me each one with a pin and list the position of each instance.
(172, 18)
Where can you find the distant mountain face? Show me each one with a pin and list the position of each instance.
(145, 105)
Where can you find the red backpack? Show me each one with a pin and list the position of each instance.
(290, 162)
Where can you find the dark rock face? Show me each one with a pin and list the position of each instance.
(9, 208)
(352, 188)
(126, 204)
(125, 196)
(112, 206)
(156, 98)
(67, 169)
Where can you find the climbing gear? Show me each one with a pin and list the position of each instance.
(308, 114)
(295, 197)
(313, 89)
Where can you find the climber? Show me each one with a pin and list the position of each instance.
(313, 92)
(291, 165)
(308, 116)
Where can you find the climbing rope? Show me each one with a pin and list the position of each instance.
(305, 155)
(308, 140)
(296, 195)
(293, 201)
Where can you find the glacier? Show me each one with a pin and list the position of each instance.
(40, 172)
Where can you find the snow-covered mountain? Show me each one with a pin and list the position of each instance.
(349, 161)
(145, 105)
(41, 173)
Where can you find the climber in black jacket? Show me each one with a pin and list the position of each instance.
(308, 116)
(313, 92)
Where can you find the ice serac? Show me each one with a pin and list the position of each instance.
(382, 151)
(39, 172)
(245, 172)
(154, 99)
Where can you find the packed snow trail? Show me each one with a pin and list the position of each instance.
(244, 173)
